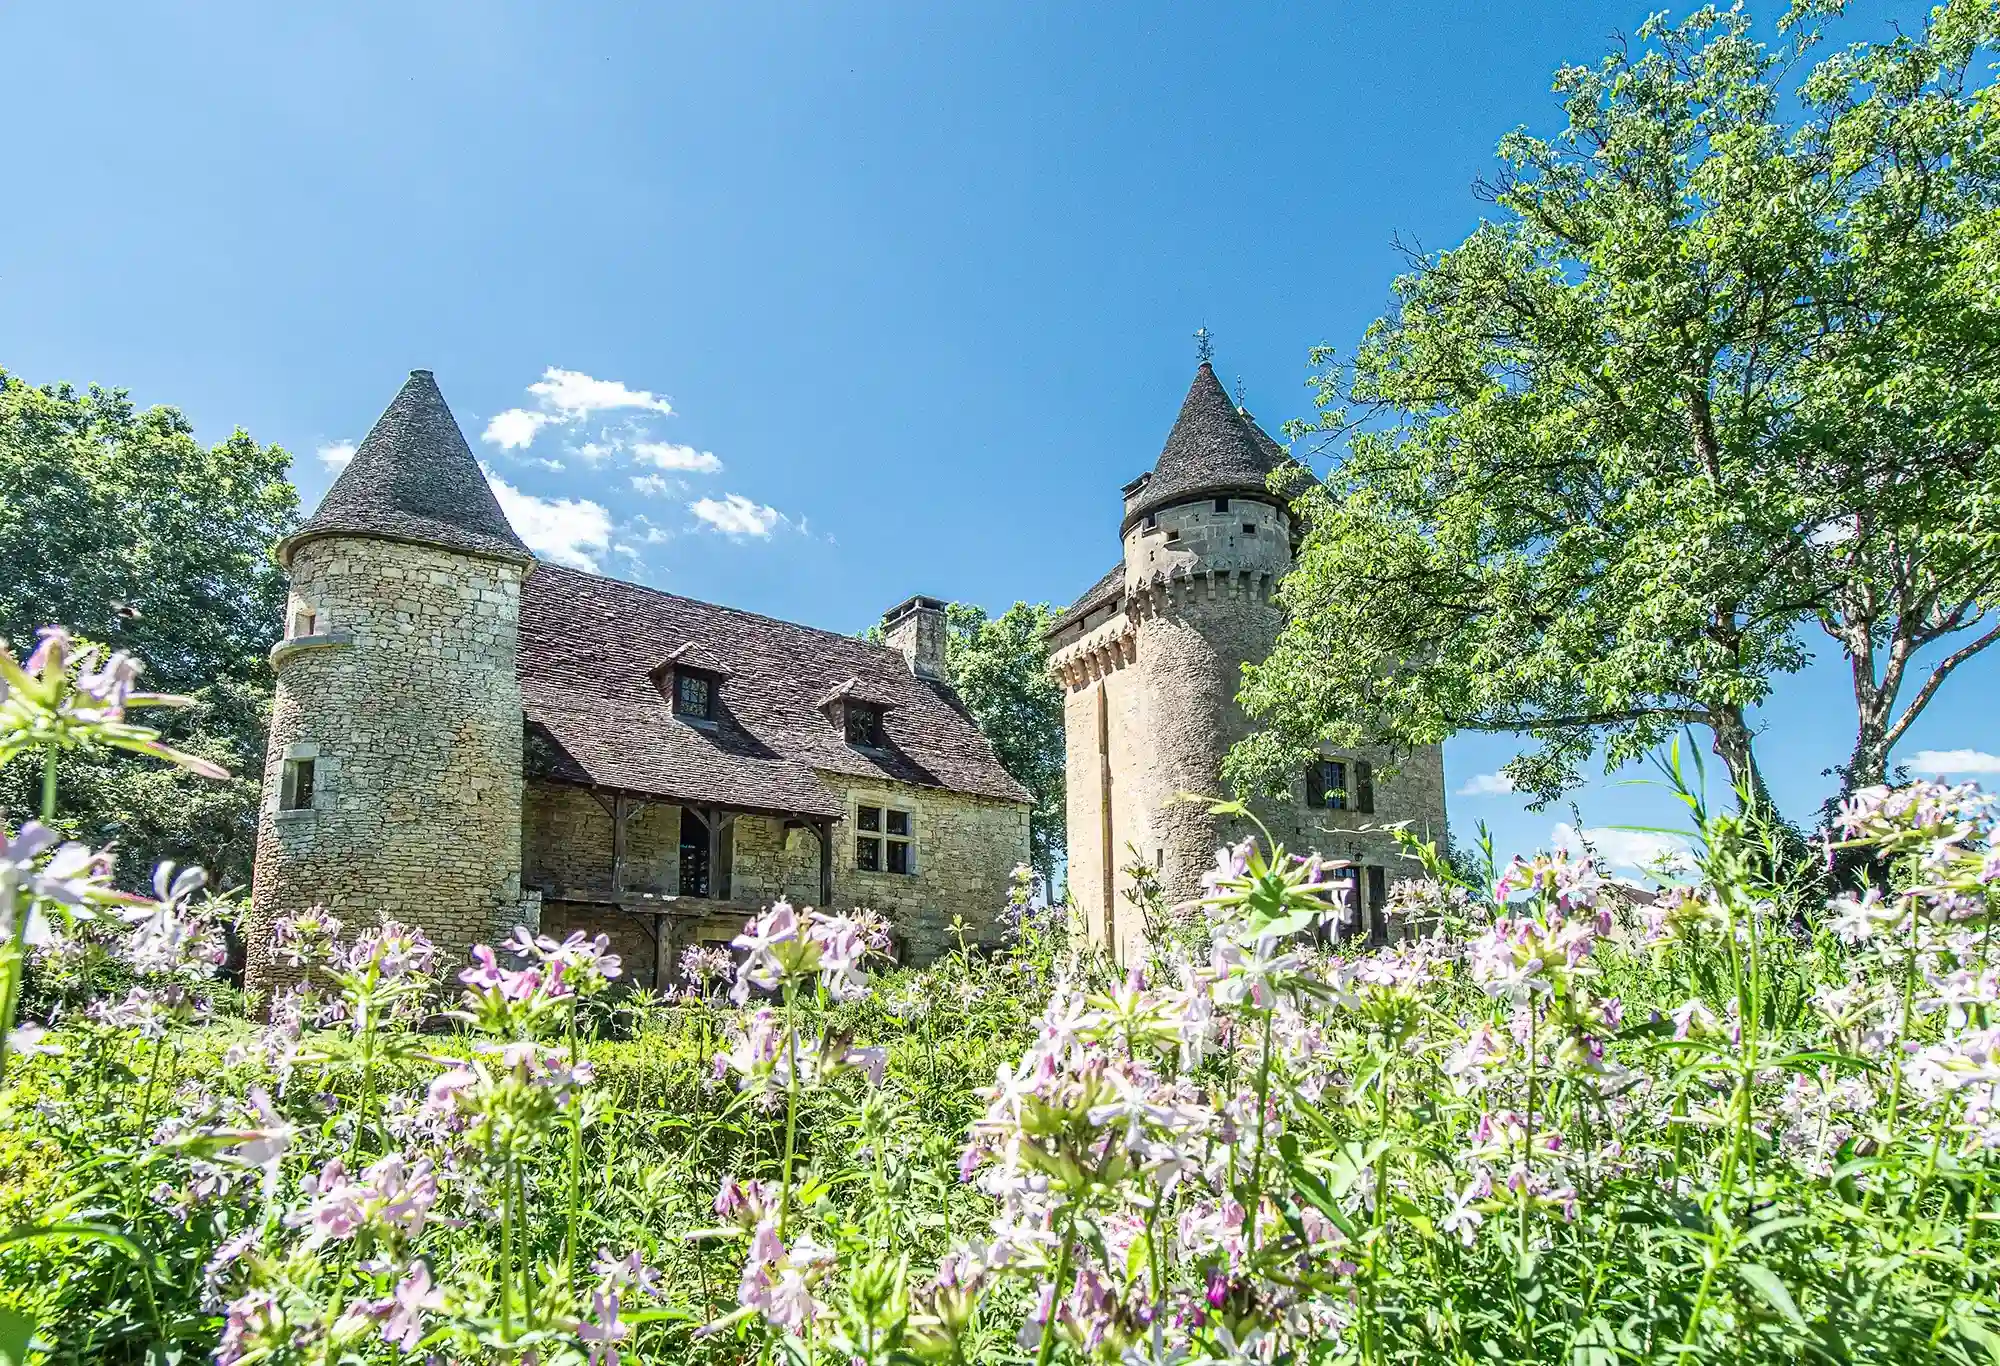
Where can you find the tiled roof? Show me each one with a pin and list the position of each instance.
(1106, 589)
(1213, 449)
(413, 479)
(589, 644)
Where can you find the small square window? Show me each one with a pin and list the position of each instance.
(868, 854)
(1222, 505)
(1249, 528)
(694, 696)
(868, 817)
(864, 725)
(303, 623)
(899, 822)
(1173, 536)
(1152, 521)
(899, 856)
(295, 787)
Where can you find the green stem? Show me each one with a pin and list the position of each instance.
(48, 785)
(506, 1253)
(791, 1112)
(575, 1159)
(1046, 1352)
(1255, 1203)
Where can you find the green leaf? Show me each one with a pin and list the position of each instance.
(1771, 1290)
(17, 1330)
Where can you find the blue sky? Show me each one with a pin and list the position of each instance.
(827, 304)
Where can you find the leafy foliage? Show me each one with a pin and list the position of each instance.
(1000, 667)
(1714, 374)
(1555, 1122)
(120, 523)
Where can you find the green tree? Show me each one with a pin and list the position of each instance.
(1710, 376)
(1000, 669)
(120, 525)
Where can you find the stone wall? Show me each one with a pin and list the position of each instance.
(1150, 709)
(404, 696)
(566, 842)
(966, 850)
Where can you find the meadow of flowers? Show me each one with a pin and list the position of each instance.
(1560, 1120)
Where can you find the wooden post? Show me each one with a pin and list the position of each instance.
(663, 951)
(825, 827)
(618, 811)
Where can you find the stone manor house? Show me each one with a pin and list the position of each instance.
(1151, 658)
(466, 738)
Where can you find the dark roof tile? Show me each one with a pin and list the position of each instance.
(1213, 449)
(589, 646)
(1107, 589)
(413, 479)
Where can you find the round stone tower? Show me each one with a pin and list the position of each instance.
(392, 785)
(1205, 545)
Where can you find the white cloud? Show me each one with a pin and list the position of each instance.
(597, 452)
(654, 485)
(1487, 785)
(1635, 849)
(565, 396)
(571, 531)
(514, 430)
(574, 394)
(1954, 761)
(335, 455)
(735, 515)
(667, 455)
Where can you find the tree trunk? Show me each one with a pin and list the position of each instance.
(1733, 746)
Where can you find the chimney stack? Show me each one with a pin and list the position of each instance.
(916, 628)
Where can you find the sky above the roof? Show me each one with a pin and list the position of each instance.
(800, 309)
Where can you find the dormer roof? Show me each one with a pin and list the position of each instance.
(414, 479)
(1214, 450)
(692, 654)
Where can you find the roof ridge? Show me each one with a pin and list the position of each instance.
(883, 650)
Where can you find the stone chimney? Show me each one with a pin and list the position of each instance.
(916, 628)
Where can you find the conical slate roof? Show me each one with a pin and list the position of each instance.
(413, 479)
(1212, 451)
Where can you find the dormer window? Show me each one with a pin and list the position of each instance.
(864, 724)
(856, 712)
(694, 696)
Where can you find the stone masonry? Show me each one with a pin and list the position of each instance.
(1151, 660)
(401, 693)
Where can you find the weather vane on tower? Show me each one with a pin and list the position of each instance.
(1204, 344)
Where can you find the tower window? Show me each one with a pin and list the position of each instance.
(1152, 521)
(295, 786)
(304, 622)
(884, 840)
(1249, 528)
(1326, 785)
(694, 696)
(1173, 536)
(1222, 505)
(864, 725)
